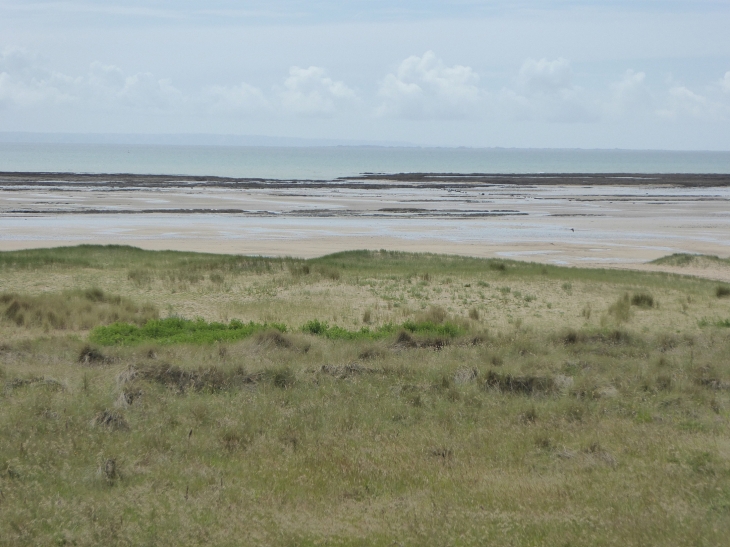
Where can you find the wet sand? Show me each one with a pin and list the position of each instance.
(607, 220)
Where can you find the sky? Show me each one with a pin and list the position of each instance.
(642, 74)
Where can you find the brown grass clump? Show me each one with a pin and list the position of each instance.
(110, 470)
(405, 340)
(15, 383)
(345, 371)
(90, 355)
(208, 379)
(371, 352)
(76, 309)
(621, 309)
(722, 291)
(274, 338)
(525, 385)
(328, 272)
(642, 300)
(435, 315)
(572, 337)
(111, 420)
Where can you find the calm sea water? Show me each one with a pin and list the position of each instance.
(333, 162)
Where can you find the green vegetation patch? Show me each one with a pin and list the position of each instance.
(175, 330)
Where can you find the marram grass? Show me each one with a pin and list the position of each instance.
(560, 419)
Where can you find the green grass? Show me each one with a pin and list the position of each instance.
(175, 330)
(121, 256)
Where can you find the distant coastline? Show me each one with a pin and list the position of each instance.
(375, 181)
(335, 162)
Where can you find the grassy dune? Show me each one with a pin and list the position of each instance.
(363, 398)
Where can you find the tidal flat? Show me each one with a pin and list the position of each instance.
(360, 398)
(569, 219)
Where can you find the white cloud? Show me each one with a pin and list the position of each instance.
(25, 81)
(108, 84)
(725, 82)
(629, 94)
(309, 91)
(423, 87)
(242, 98)
(545, 76)
(545, 92)
(682, 102)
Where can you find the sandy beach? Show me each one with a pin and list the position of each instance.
(610, 221)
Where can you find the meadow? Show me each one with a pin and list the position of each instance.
(361, 398)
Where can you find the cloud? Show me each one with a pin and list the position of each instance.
(545, 76)
(682, 102)
(242, 98)
(545, 91)
(629, 94)
(108, 84)
(310, 92)
(725, 82)
(25, 82)
(423, 87)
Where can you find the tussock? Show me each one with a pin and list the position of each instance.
(282, 377)
(72, 310)
(274, 338)
(525, 385)
(465, 376)
(611, 337)
(111, 420)
(621, 309)
(209, 379)
(404, 340)
(345, 371)
(90, 355)
(371, 353)
(110, 471)
(642, 300)
(712, 383)
(50, 383)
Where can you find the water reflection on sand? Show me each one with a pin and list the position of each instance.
(556, 224)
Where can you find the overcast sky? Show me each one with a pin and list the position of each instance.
(561, 73)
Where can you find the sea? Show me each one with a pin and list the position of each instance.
(332, 162)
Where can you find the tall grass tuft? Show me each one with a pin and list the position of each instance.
(621, 309)
(72, 310)
(642, 300)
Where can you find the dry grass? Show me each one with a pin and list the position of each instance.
(538, 427)
(72, 310)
